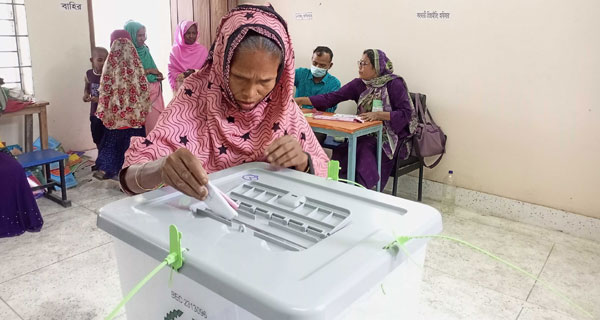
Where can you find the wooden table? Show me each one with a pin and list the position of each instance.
(39, 108)
(351, 131)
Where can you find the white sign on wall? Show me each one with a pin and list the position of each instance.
(304, 16)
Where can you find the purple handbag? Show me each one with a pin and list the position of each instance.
(428, 139)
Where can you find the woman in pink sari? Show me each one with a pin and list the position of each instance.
(237, 108)
(187, 54)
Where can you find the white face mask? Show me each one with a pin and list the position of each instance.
(318, 72)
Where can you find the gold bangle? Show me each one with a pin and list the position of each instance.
(135, 176)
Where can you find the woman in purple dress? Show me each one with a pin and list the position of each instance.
(19, 211)
(376, 81)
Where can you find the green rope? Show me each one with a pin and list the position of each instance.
(352, 182)
(174, 259)
(135, 290)
(402, 240)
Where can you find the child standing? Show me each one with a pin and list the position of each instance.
(91, 92)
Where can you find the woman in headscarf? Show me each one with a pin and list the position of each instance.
(137, 31)
(376, 81)
(187, 54)
(237, 108)
(123, 103)
(19, 211)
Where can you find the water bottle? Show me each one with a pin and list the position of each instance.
(449, 194)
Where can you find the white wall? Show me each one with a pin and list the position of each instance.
(60, 53)
(12, 130)
(59, 42)
(514, 84)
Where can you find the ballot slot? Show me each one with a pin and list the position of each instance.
(282, 217)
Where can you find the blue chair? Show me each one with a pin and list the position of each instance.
(45, 158)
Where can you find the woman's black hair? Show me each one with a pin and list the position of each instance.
(371, 55)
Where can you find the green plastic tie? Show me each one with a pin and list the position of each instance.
(333, 170)
(175, 251)
(173, 259)
(333, 173)
(402, 240)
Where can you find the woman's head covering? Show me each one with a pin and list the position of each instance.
(185, 56)
(377, 90)
(118, 34)
(383, 68)
(132, 27)
(124, 98)
(204, 117)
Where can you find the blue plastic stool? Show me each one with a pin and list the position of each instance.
(45, 158)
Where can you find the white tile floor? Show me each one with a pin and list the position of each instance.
(68, 270)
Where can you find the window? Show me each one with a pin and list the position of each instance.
(15, 58)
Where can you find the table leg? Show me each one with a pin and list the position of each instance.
(48, 177)
(63, 183)
(379, 146)
(28, 133)
(351, 158)
(43, 122)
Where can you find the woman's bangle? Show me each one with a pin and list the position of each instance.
(307, 170)
(135, 176)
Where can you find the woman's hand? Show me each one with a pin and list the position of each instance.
(303, 101)
(287, 152)
(184, 172)
(154, 71)
(372, 116)
(86, 97)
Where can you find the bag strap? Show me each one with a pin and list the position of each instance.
(435, 163)
(419, 108)
(430, 118)
(424, 111)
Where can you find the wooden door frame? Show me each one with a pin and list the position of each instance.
(91, 25)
